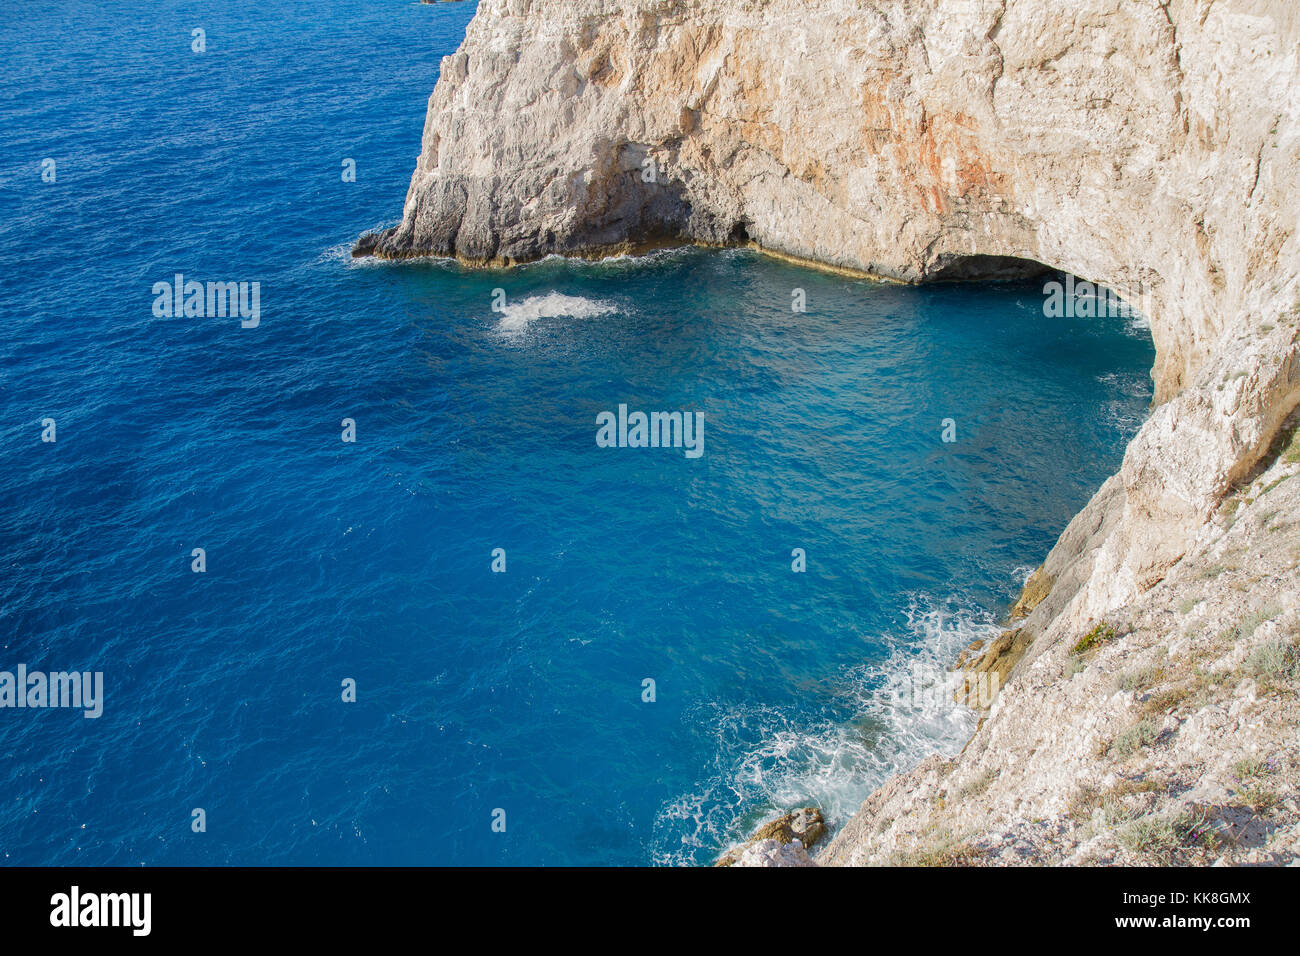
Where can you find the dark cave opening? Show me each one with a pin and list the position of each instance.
(976, 267)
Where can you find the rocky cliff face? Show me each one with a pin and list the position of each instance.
(1149, 146)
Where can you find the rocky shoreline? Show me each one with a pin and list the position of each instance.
(1163, 734)
(1147, 709)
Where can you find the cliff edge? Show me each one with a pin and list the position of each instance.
(1149, 146)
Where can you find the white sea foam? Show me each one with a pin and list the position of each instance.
(903, 711)
(1139, 325)
(517, 316)
(652, 257)
(341, 253)
(1124, 421)
(1022, 573)
(1119, 413)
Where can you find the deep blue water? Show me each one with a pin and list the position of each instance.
(475, 431)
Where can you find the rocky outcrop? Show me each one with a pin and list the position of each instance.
(1148, 145)
(780, 842)
(1165, 733)
(774, 853)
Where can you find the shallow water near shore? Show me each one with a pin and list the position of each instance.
(475, 431)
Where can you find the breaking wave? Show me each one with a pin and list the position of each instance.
(515, 317)
(902, 711)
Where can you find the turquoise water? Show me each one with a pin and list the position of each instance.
(476, 691)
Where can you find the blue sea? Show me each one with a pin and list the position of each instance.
(481, 697)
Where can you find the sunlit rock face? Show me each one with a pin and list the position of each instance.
(1148, 146)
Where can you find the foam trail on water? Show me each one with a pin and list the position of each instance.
(912, 692)
(515, 317)
(902, 711)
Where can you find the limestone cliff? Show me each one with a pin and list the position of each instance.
(1149, 146)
